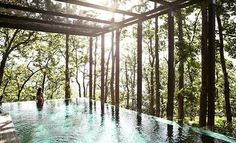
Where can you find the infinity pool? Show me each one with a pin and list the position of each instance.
(81, 122)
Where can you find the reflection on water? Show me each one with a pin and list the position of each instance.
(82, 121)
(39, 106)
(170, 133)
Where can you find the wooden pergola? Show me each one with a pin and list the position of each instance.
(100, 27)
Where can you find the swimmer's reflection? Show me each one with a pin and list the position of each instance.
(67, 102)
(39, 106)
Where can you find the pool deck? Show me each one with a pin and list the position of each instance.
(7, 130)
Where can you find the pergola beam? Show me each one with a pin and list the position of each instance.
(41, 28)
(52, 13)
(151, 14)
(90, 5)
(26, 19)
(163, 2)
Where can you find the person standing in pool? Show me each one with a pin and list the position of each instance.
(39, 97)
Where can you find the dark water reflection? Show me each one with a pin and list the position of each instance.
(82, 121)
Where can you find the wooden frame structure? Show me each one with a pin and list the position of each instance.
(95, 29)
(37, 24)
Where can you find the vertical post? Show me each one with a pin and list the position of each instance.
(102, 70)
(211, 64)
(67, 78)
(117, 82)
(203, 96)
(171, 68)
(180, 68)
(157, 72)
(95, 69)
(90, 68)
(139, 70)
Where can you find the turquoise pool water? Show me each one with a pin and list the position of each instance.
(81, 122)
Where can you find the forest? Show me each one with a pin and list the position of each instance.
(31, 59)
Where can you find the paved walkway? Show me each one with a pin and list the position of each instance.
(7, 130)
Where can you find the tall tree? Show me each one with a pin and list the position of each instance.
(157, 71)
(26, 80)
(13, 40)
(225, 73)
(112, 69)
(211, 65)
(127, 85)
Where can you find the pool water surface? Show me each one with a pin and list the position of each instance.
(82, 122)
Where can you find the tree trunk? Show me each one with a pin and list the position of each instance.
(204, 95)
(181, 69)
(171, 67)
(4, 89)
(211, 65)
(106, 80)
(77, 72)
(44, 79)
(133, 82)
(7, 52)
(112, 69)
(2, 66)
(23, 85)
(225, 74)
(84, 86)
(151, 62)
(127, 85)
